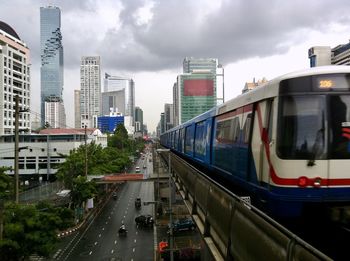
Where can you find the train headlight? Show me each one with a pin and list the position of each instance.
(317, 182)
(303, 181)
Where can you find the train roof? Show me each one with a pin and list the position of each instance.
(271, 88)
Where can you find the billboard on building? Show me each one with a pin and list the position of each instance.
(198, 87)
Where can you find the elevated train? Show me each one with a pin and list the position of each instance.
(286, 143)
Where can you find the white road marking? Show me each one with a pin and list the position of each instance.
(133, 250)
(95, 243)
(90, 253)
(103, 228)
(134, 240)
(99, 235)
(112, 251)
(115, 242)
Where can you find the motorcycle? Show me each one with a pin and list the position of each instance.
(122, 231)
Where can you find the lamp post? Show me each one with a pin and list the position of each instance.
(170, 206)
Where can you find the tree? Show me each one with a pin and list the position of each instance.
(6, 184)
(82, 190)
(28, 230)
(120, 138)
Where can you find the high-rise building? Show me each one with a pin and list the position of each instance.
(90, 91)
(196, 94)
(176, 105)
(51, 50)
(195, 89)
(54, 113)
(168, 116)
(77, 117)
(118, 95)
(138, 119)
(191, 64)
(325, 55)
(14, 80)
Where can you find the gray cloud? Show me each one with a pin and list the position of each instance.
(235, 30)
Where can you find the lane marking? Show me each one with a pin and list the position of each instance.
(95, 243)
(90, 253)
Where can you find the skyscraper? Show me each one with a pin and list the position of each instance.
(118, 95)
(138, 119)
(14, 80)
(90, 91)
(168, 116)
(77, 117)
(51, 51)
(195, 89)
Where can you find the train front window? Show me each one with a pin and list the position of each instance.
(339, 122)
(302, 131)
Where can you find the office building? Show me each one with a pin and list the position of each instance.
(14, 80)
(118, 95)
(196, 94)
(195, 90)
(325, 55)
(90, 91)
(54, 113)
(51, 50)
(168, 116)
(191, 64)
(138, 119)
(108, 124)
(77, 117)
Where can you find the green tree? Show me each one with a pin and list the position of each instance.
(82, 190)
(28, 230)
(6, 184)
(120, 138)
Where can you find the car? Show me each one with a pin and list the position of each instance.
(138, 203)
(144, 220)
(184, 224)
(137, 169)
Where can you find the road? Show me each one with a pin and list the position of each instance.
(100, 240)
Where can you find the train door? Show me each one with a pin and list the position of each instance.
(243, 152)
(261, 141)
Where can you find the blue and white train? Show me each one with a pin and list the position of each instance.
(286, 143)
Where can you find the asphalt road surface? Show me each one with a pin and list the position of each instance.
(100, 240)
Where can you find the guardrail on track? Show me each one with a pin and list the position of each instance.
(232, 229)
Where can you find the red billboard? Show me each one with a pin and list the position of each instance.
(198, 87)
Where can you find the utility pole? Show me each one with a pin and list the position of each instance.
(86, 165)
(16, 148)
(48, 158)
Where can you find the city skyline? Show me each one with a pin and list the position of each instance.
(146, 41)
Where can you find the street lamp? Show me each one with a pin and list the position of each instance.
(170, 206)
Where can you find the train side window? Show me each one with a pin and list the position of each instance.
(236, 129)
(246, 131)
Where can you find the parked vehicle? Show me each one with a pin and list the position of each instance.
(184, 224)
(137, 169)
(144, 220)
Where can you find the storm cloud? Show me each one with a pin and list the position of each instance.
(140, 35)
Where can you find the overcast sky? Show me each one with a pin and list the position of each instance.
(148, 40)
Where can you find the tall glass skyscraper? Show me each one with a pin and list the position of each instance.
(51, 57)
